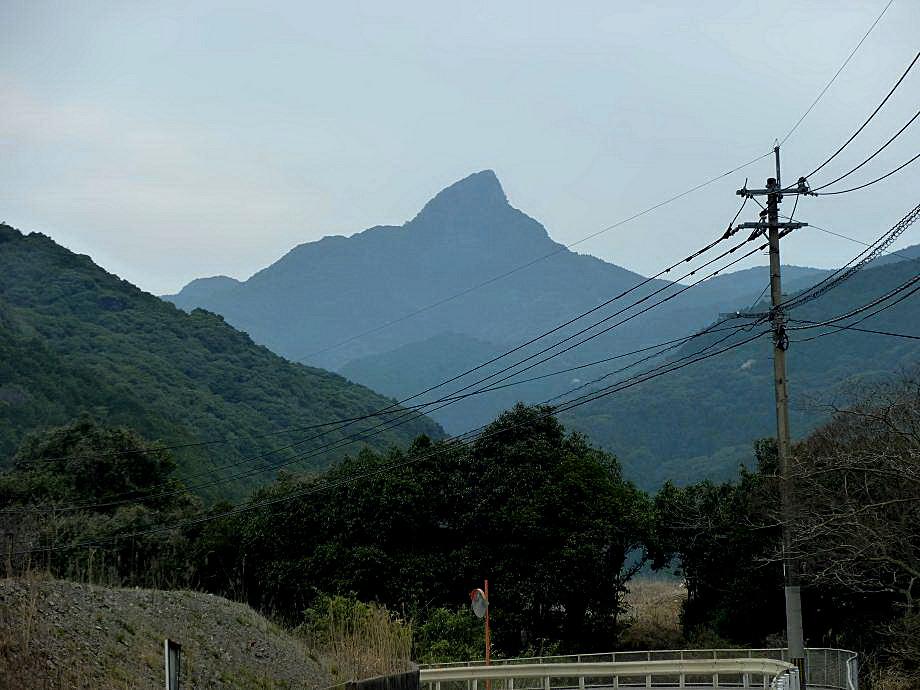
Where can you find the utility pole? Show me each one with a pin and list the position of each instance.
(775, 230)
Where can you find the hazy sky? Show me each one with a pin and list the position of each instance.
(172, 140)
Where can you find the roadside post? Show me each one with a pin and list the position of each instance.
(172, 651)
(479, 599)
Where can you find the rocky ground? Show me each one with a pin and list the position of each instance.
(56, 634)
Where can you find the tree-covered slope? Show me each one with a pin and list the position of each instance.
(700, 422)
(343, 302)
(75, 339)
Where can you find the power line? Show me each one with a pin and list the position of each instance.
(877, 151)
(837, 73)
(561, 249)
(400, 405)
(393, 409)
(407, 416)
(622, 321)
(454, 396)
(667, 345)
(615, 388)
(220, 441)
(868, 120)
(857, 263)
(854, 328)
(872, 182)
(865, 307)
(237, 510)
(853, 239)
(735, 330)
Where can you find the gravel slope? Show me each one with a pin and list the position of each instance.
(56, 634)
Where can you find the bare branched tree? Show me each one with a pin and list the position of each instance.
(856, 522)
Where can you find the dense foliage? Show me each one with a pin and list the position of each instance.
(855, 525)
(546, 518)
(524, 504)
(722, 540)
(76, 339)
(64, 508)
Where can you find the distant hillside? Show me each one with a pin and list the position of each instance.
(75, 339)
(325, 292)
(66, 635)
(416, 366)
(700, 422)
(314, 301)
(309, 305)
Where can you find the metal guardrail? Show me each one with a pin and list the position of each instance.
(771, 674)
(826, 669)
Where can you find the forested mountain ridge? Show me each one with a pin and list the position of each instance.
(700, 422)
(76, 339)
(378, 284)
(339, 288)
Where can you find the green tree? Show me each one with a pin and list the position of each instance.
(548, 519)
(724, 545)
(75, 493)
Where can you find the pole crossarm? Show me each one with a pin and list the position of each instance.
(800, 188)
(763, 225)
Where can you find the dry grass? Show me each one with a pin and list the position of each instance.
(353, 640)
(894, 680)
(653, 615)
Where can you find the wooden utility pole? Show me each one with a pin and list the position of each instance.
(488, 636)
(794, 632)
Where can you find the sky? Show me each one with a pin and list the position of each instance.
(174, 140)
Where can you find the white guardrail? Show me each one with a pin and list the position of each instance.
(826, 669)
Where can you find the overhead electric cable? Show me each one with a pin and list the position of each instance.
(618, 323)
(852, 326)
(396, 406)
(872, 182)
(454, 397)
(853, 239)
(460, 436)
(837, 73)
(562, 248)
(736, 329)
(615, 388)
(865, 307)
(848, 327)
(868, 120)
(406, 416)
(817, 190)
(190, 522)
(856, 264)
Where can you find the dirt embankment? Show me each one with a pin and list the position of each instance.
(56, 634)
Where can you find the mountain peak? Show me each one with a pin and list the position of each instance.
(478, 192)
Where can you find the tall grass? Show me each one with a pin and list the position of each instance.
(354, 640)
